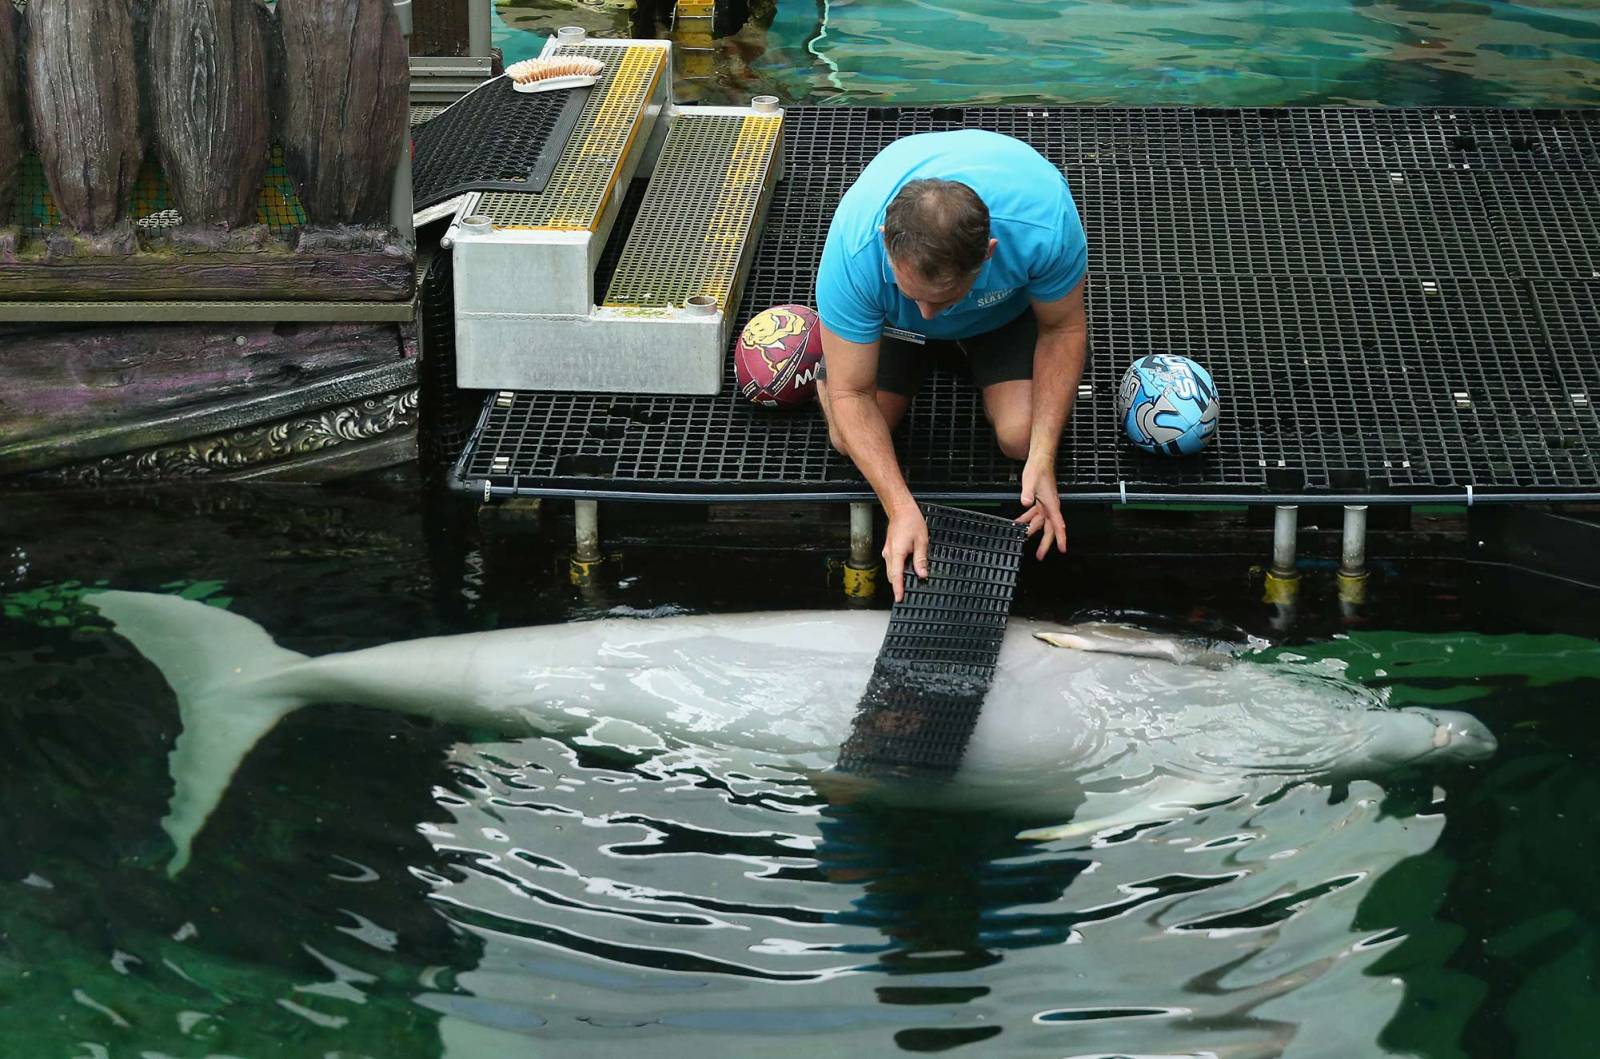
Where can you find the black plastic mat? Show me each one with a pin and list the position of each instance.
(496, 139)
(938, 656)
(1397, 306)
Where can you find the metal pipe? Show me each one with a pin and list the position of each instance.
(861, 534)
(401, 207)
(1284, 527)
(479, 39)
(586, 515)
(1353, 553)
(811, 494)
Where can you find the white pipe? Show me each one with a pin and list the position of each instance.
(586, 514)
(401, 208)
(1353, 554)
(1284, 528)
(861, 533)
(479, 36)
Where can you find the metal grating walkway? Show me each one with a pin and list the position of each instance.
(692, 230)
(1397, 305)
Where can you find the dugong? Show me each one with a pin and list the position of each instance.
(1113, 726)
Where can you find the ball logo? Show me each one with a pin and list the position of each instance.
(766, 333)
(1175, 377)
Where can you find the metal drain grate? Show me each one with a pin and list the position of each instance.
(496, 137)
(696, 221)
(583, 180)
(939, 653)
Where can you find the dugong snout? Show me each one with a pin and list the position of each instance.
(1455, 736)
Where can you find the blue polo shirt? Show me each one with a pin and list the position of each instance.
(1039, 253)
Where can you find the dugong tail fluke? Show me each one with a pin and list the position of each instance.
(221, 666)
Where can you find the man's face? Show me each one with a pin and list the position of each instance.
(933, 298)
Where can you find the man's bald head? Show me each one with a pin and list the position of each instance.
(938, 229)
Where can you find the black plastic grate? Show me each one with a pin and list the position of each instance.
(1570, 309)
(938, 655)
(1411, 358)
(1389, 138)
(1317, 222)
(1328, 384)
(446, 412)
(1548, 223)
(497, 139)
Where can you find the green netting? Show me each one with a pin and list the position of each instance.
(278, 207)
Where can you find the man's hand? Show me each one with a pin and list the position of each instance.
(1042, 505)
(907, 536)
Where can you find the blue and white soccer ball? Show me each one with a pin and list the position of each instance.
(1168, 405)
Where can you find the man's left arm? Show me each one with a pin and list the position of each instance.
(1058, 361)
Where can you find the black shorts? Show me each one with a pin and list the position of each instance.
(1002, 355)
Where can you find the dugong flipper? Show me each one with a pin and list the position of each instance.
(216, 664)
(1159, 801)
(1112, 638)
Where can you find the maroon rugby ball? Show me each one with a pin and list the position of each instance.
(777, 356)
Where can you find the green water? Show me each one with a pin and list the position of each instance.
(1130, 52)
(378, 886)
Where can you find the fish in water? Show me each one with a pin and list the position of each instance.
(1112, 726)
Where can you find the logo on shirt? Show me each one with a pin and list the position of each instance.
(993, 297)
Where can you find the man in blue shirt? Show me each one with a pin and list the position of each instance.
(969, 240)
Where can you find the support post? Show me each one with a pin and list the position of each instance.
(861, 572)
(1353, 556)
(401, 208)
(586, 557)
(1283, 579)
(478, 27)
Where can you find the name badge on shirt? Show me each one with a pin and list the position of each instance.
(906, 336)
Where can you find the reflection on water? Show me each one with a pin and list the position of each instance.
(714, 908)
(378, 886)
(1163, 52)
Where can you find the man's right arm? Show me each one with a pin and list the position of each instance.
(864, 435)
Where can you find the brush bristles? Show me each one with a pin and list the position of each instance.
(530, 70)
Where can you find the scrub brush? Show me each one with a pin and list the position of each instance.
(547, 75)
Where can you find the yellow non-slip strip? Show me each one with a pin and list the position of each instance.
(584, 180)
(728, 228)
(699, 211)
